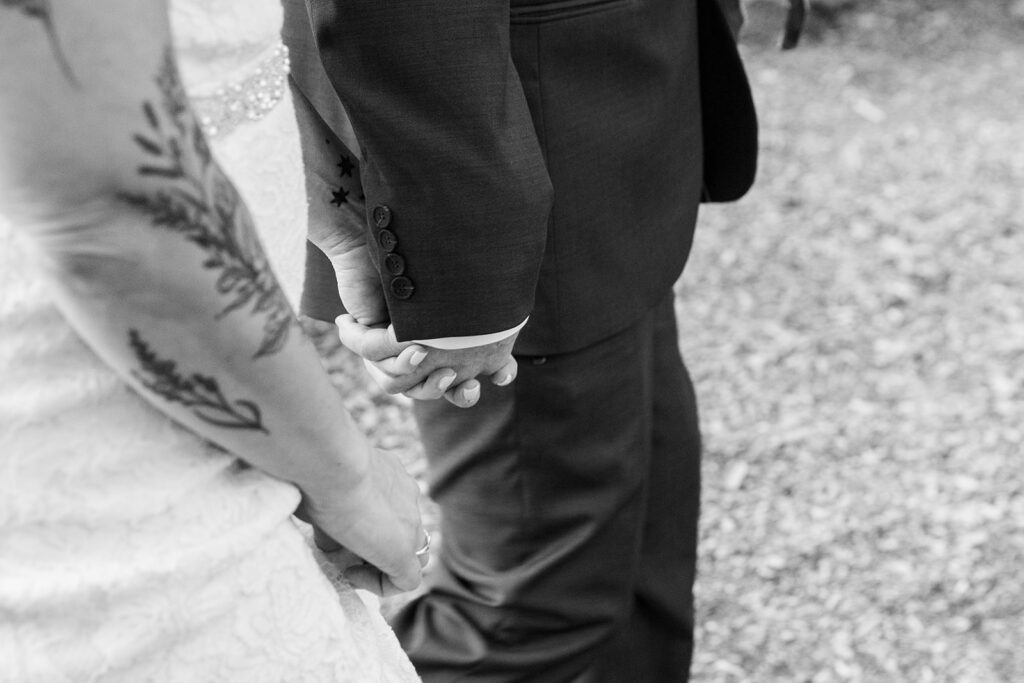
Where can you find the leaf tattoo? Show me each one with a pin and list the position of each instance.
(200, 393)
(40, 10)
(196, 200)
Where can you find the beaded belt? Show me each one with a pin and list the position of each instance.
(250, 99)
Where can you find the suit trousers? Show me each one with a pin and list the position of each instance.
(569, 504)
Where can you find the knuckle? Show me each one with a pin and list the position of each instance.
(418, 394)
(391, 386)
(371, 351)
(385, 372)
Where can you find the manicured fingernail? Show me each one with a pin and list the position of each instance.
(417, 357)
(506, 380)
(446, 382)
(473, 393)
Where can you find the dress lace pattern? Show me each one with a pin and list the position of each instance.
(129, 549)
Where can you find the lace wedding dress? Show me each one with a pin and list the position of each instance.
(129, 550)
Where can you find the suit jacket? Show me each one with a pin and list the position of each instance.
(543, 159)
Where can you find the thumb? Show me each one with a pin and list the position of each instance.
(369, 311)
(359, 284)
(362, 297)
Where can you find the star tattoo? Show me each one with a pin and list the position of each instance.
(338, 197)
(346, 166)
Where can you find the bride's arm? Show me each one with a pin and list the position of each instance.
(153, 259)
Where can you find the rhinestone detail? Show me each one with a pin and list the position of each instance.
(250, 99)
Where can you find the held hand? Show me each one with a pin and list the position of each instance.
(372, 530)
(426, 373)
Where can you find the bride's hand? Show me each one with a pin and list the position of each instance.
(378, 521)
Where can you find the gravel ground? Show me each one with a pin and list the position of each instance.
(855, 329)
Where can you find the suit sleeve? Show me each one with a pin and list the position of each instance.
(457, 194)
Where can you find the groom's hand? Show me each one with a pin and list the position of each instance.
(358, 281)
(359, 286)
(427, 373)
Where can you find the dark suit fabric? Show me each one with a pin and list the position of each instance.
(612, 96)
(449, 148)
(548, 159)
(468, 116)
(570, 501)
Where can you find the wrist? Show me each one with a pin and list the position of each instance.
(341, 468)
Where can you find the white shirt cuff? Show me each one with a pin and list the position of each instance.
(456, 343)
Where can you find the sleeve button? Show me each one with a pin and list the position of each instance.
(402, 287)
(394, 264)
(387, 240)
(382, 215)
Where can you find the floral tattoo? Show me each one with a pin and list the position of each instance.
(41, 10)
(200, 393)
(196, 200)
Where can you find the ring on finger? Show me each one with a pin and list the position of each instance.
(425, 548)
